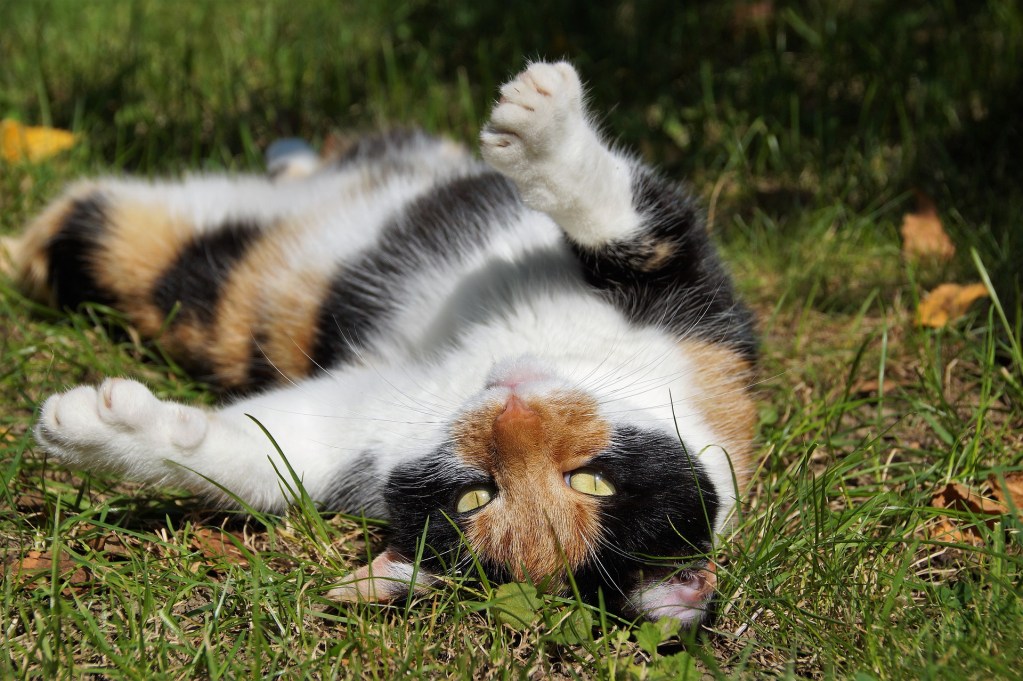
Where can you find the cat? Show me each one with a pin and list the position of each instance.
(535, 363)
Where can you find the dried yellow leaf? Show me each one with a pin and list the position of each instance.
(922, 233)
(20, 143)
(947, 303)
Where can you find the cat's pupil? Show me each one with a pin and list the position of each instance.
(473, 499)
(590, 482)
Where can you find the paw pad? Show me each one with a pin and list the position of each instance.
(536, 112)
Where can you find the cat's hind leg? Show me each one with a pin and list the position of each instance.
(222, 270)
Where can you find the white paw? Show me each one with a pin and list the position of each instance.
(539, 116)
(120, 427)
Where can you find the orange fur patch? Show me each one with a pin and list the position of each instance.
(722, 378)
(660, 253)
(536, 524)
(141, 242)
(281, 317)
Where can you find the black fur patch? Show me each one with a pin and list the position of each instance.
(261, 372)
(356, 489)
(424, 492)
(71, 253)
(381, 146)
(670, 275)
(198, 274)
(662, 513)
(438, 227)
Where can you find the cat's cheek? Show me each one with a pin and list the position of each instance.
(388, 577)
(686, 597)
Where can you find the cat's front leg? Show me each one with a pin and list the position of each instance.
(118, 427)
(540, 136)
(121, 427)
(640, 237)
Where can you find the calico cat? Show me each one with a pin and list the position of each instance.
(537, 362)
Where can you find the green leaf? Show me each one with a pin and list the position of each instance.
(678, 667)
(516, 604)
(768, 415)
(652, 634)
(575, 629)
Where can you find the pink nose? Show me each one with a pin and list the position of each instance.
(518, 431)
(515, 410)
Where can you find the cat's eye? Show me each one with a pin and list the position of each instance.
(473, 498)
(589, 481)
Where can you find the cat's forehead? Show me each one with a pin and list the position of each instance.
(562, 429)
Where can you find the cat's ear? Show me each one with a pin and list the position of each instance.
(388, 577)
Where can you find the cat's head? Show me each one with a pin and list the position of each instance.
(541, 479)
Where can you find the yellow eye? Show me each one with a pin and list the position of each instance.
(590, 482)
(473, 499)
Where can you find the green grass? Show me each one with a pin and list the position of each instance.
(806, 134)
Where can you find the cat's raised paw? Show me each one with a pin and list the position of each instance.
(538, 115)
(116, 424)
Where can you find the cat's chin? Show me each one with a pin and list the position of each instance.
(518, 372)
(685, 596)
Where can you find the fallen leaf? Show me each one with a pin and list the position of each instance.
(757, 13)
(947, 303)
(213, 543)
(945, 531)
(923, 237)
(872, 386)
(516, 604)
(20, 143)
(956, 497)
(30, 501)
(111, 546)
(39, 564)
(1009, 487)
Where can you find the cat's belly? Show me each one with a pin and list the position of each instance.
(520, 282)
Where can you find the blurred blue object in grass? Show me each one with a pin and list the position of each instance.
(291, 156)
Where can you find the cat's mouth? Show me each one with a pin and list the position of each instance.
(685, 595)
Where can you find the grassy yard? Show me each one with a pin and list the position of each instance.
(808, 127)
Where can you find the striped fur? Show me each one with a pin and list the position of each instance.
(412, 325)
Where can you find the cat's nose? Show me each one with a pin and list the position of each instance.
(517, 429)
(516, 409)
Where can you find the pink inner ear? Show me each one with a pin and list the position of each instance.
(683, 596)
(388, 577)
